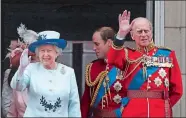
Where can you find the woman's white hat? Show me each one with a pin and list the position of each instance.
(48, 37)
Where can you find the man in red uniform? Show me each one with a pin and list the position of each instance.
(152, 77)
(103, 87)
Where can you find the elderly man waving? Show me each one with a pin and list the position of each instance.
(152, 75)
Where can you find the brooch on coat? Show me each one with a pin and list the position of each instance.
(62, 70)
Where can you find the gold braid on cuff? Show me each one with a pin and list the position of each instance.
(117, 47)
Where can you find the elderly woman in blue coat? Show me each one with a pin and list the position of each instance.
(52, 87)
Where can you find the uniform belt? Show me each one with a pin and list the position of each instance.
(147, 94)
(103, 113)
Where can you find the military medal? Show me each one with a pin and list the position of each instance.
(162, 73)
(119, 77)
(157, 81)
(119, 74)
(117, 86)
(117, 99)
(161, 61)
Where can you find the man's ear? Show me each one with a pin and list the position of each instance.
(109, 41)
(132, 35)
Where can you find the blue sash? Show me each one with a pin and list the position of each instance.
(138, 79)
(112, 77)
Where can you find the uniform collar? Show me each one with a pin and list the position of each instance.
(146, 49)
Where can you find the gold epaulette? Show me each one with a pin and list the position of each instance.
(162, 47)
(133, 49)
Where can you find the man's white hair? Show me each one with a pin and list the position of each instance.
(143, 18)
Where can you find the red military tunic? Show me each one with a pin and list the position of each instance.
(108, 104)
(147, 74)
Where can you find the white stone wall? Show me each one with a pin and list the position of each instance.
(175, 38)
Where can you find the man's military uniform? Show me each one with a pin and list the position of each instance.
(152, 79)
(104, 91)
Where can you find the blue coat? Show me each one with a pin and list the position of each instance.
(51, 93)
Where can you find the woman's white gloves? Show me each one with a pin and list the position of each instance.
(24, 62)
